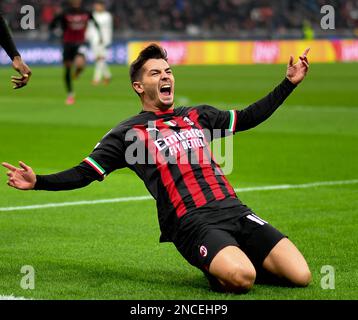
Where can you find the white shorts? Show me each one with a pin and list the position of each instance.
(99, 51)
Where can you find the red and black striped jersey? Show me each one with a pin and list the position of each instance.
(73, 22)
(170, 152)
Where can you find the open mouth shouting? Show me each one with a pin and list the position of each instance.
(166, 92)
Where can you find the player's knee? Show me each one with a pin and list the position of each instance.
(302, 277)
(242, 280)
(80, 61)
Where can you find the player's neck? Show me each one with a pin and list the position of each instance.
(155, 109)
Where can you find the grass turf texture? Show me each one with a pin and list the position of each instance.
(111, 251)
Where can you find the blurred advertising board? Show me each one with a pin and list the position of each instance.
(204, 52)
(251, 52)
(39, 53)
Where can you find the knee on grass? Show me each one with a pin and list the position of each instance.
(239, 280)
(301, 278)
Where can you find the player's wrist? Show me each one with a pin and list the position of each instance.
(289, 81)
(38, 183)
(34, 183)
(17, 58)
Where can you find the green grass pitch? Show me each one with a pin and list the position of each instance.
(111, 251)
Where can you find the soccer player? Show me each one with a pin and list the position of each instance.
(18, 64)
(198, 209)
(100, 50)
(73, 21)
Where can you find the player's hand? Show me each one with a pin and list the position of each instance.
(25, 73)
(297, 72)
(22, 178)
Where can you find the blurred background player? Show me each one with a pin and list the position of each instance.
(18, 64)
(100, 50)
(73, 21)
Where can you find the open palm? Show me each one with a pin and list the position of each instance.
(297, 72)
(22, 178)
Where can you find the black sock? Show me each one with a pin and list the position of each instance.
(68, 80)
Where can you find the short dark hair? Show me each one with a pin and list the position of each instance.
(153, 51)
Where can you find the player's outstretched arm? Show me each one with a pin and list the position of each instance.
(262, 109)
(18, 64)
(22, 178)
(6, 40)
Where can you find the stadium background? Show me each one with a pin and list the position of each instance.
(188, 28)
(228, 53)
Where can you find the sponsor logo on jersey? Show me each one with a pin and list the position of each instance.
(183, 140)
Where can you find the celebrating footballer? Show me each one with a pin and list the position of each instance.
(198, 209)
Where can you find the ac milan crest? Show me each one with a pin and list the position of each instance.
(188, 121)
(203, 251)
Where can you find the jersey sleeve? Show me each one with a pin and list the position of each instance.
(6, 40)
(108, 155)
(220, 123)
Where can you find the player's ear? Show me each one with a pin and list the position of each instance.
(137, 86)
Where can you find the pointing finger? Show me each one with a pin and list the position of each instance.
(306, 52)
(9, 166)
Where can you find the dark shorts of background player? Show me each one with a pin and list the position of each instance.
(203, 235)
(71, 50)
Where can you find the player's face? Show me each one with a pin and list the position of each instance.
(98, 7)
(157, 83)
(76, 3)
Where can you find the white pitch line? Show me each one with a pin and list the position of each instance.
(76, 203)
(298, 186)
(12, 298)
(144, 198)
